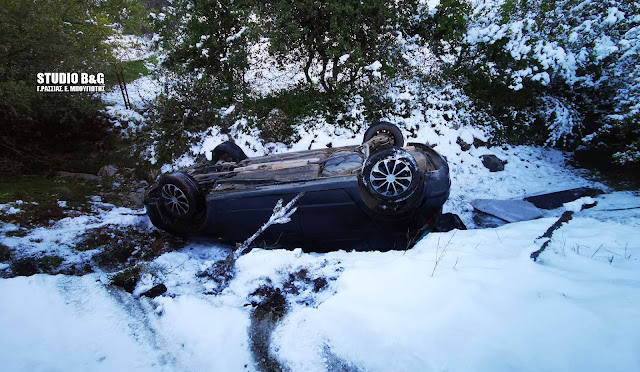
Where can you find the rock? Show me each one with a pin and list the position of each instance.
(64, 191)
(108, 171)
(135, 199)
(80, 176)
(477, 142)
(465, 140)
(464, 146)
(155, 291)
(493, 163)
(125, 199)
(5, 253)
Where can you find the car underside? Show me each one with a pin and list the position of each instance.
(374, 196)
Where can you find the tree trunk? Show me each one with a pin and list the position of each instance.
(334, 66)
(307, 66)
(323, 79)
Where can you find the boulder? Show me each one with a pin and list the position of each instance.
(465, 140)
(477, 142)
(125, 199)
(493, 163)
(108, 171)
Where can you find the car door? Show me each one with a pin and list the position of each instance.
(239, 216)
(332, 216)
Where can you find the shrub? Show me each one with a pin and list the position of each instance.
(573, 64)
(40, 130)
(343, 41)
(206, 59)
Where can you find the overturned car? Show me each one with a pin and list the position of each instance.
(377, 195)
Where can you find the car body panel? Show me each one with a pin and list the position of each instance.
(332, 213)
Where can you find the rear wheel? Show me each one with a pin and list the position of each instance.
(227, 152)
(391, 181)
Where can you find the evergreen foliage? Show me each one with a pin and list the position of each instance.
(338, 37)
(570, 69)
(38, 129)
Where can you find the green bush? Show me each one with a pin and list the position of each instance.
(41, 130)
(340, 37)
(564, 73)
(130, 15)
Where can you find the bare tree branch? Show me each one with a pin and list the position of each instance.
(281, 215)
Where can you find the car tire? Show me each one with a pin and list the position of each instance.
(391, 174)
(386, 128)
(179, 196)
(156, 218)
(172, 225)
(227, 152)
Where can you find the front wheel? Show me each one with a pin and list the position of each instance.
(172, 225)
(180, 196)
(176, 204)
(387, 129)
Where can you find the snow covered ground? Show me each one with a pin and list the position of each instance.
(462, 301)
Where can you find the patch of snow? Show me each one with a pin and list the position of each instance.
(236, 35)
(130, 47)
(13, 210)
(72, 324)
(61, 238)
(375, 66)
(576, 205)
